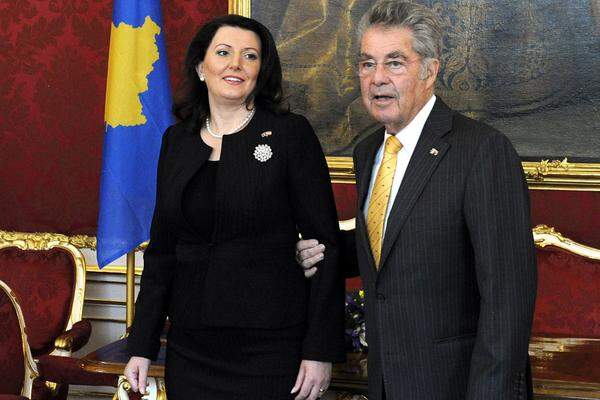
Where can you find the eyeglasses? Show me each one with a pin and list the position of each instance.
(392, 67)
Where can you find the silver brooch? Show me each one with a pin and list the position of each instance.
(266, 133)
(263, 152)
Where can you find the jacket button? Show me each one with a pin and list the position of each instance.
(380, 297)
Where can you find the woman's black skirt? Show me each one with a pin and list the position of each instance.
(215, 363)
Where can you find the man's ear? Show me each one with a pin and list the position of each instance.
(433, 67)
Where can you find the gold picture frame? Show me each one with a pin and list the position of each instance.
(545, 174)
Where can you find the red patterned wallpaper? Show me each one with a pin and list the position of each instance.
(53, 60)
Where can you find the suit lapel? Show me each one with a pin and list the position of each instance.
(192, 154)
(418, 173)
(365, 157)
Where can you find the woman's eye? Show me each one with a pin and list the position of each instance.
(252, 56)
(222, 52)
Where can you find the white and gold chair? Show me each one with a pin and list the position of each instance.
(17, 368)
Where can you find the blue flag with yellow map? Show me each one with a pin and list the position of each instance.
(137, 112)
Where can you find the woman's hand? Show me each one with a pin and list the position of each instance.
(308, 253)
(136, 372)
(313, 380)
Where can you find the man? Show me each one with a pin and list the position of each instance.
(443, 239)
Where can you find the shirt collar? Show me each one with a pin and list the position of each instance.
(409, 135)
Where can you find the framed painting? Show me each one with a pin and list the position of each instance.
(529, 69)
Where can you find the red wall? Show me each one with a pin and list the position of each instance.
(53, 60)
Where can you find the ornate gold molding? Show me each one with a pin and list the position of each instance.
(113, 269)
(83, 241)
(31, 371)
(544, 235)
(155, 389)
(562, 175)
(542, 175)
(240, 7)
(47, 241)
(545, 349)
(341, 169)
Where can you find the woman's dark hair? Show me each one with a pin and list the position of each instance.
(191, 101)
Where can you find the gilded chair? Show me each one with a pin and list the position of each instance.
(47, 273)
(17, 367)
(565, 344)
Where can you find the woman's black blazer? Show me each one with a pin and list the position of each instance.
(246, 276)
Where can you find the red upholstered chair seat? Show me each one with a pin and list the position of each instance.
(568, 296)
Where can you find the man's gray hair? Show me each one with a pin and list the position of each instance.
(422, 21)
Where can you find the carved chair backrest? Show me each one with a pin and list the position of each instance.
(47, 273)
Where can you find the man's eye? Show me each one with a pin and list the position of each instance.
(394, 64)
(367, 64)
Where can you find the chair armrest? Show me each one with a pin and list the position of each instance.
(75, 338)
(68, 370)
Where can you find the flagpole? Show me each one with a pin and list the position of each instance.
(130, 297)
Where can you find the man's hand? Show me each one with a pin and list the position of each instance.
(308, 253)
(313, 380)
(136, 372)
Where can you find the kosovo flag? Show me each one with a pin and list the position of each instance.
(137, 112)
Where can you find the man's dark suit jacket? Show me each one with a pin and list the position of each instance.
(449, 312)
(246, 276)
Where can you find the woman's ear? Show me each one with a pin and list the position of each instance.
(199, 69)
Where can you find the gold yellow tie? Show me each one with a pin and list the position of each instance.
(380, 196)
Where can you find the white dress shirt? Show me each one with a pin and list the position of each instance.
(408, 136)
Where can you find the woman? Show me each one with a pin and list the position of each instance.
(238, 179)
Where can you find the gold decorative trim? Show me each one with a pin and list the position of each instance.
(544, 235)
(538, 171)
(155, 389)
(31, 371)
(241, 7)
(546, 348)
(113, 269)
(105, 302)
(83, 241)
(562, 175)
(542, 175)
(64, 343)
(341, 169)
(47, 241)
(52, 387)
(578, 390)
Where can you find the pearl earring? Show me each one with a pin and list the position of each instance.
(202, 77)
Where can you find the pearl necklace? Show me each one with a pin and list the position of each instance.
(238, 128)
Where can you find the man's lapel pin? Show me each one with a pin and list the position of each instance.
(266, 133)
(433, 151)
